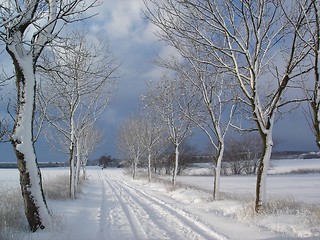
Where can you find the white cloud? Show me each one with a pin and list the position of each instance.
(124, 19)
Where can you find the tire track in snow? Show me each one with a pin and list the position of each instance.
(190, 226)
(133, 221)
(147, 216)
(103, 214)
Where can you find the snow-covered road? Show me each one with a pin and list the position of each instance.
(138, 215)
(113, 206)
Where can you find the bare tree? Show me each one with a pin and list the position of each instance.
(26, 27)
(187, 156)
(242, 154)
(170, 102)
(151, 137)
(4, 125)
(216, 100)
(128, 142)
(8, 102)
(80, 83)
(310, 9)
(4, 130)
(253, 42)
(90, 138)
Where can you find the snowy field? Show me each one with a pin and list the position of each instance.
(112, 206)
(280, 182)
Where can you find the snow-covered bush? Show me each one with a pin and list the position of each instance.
(239, 167)
(12, 218)
(279, 215)
(57, 188)
(305, 171)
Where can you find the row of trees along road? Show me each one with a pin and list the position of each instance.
(170, 102)
(27, 29)
(244, 55)
(79, 83)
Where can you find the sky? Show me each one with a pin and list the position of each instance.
(134, 44)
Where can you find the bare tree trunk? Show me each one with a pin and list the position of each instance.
(72, 157)
(176, 163)
(84, 171)
(216, 185)
(35, 205)
(149, 166)
(262, 171)
(72, 171)
(134, 169)
(77, 170)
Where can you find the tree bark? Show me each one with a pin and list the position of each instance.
(134, 168)
(84, 172)
(216, 185)
(149, 166)
(78, 160)
(262, 171)
(72, 173)
(35, 206)
(71, 158)
(176, 163)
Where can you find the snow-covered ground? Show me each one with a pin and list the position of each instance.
(280, 183)
(113, 206)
